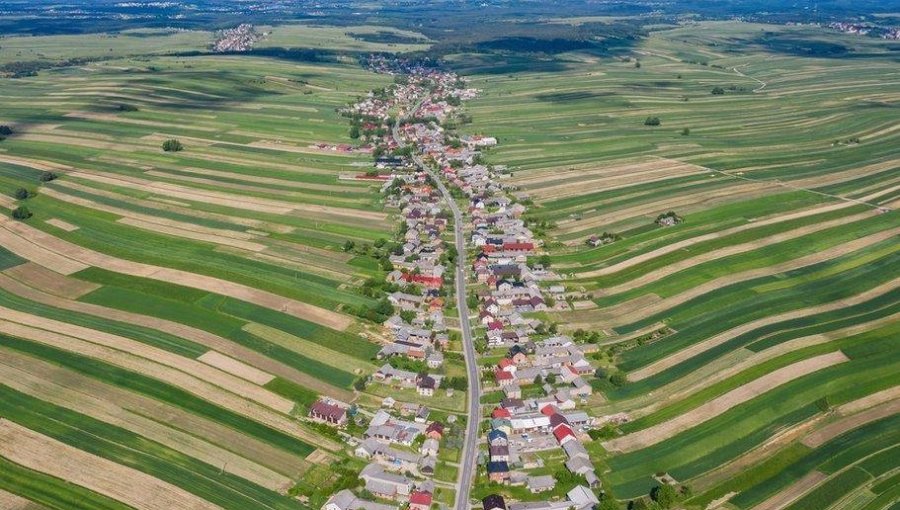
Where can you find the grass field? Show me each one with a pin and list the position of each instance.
(786, 180)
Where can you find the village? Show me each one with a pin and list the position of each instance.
(543, 376)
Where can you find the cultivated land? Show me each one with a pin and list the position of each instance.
(753, 336)
(166, 317)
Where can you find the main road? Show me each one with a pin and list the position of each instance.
(470, 442)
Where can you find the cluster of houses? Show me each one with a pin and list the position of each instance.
(543, 380)
(556, 367)
(401, 453)
(239, 38)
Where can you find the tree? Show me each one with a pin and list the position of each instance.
(21, 213)
(551, 379)
(665, 495)
(47, 176)
(349, 245)
(618, 379)
(545, 260)
(685, 131)
(538, 380)
(718, 91)
(354, 132)
(652, 121)
(5, 131)
(359, 384)
(172, 145)
(22, 194)
(637, 64)
(639, 504)
(608, 503)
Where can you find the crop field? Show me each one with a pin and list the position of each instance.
(755, 340)
(167, 315)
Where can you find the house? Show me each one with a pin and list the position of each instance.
(513, 391)
(499, 453)
(346, 500)
(385, 485)
(427, 464)
(583, 497)
(426, 385)
(420, 500)
(391, 458)
(497, 437)
(429, 447)
(564, 434)
(324, 411)
(498, 471)
(543, 483)
(493, 502)
(435, 430)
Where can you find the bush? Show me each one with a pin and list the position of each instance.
(665, 495)
(718, 91)
(652, 121)
(21, 213)
(127, 108)
(48, 176)
(5, 130)
(685, 131)
(172, 145)
(22, 194)
(618, 379)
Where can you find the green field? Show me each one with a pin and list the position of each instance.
(786, 180)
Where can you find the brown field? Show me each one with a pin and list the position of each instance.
(137, 356)
(633, 261)
(235, 367)
(173, 417)
(218, 343)
(51, 282)
(793, 492)
(673, 268)
(192, 234)
(9, 501)
(106, 411)
(831, 431)
(46, 250)
(141, 491)
(266, 414)
(723, 403)
(58, 223)
(740, 360)
(236, 201)
(651, 209)
(725, 336)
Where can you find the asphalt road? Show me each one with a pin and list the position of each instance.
(470, 444)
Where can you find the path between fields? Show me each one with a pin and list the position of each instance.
(67, 258)
(130, 486)
(709, 410)
(739, 73)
